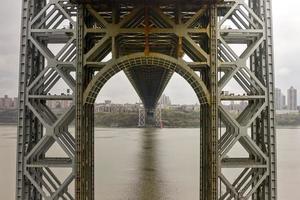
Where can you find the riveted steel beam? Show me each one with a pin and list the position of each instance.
(46, 24)
(246, 25)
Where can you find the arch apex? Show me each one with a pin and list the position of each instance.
(151, 60)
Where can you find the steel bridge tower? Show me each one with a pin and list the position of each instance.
(81, 44)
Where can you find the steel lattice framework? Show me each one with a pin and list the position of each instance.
(82, 44)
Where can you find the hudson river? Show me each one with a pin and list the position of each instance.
(141, 164)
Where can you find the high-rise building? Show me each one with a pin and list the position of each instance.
(165, 101)
(278, 99)
(292, 98)
(8, 103)
(283, 101)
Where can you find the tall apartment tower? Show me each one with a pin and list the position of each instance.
(283, 101)
(278, 99)
(292, 98)
(165, 100)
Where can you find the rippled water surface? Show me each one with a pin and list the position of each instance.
(147, 164)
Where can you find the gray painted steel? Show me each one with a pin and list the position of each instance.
(146, 39)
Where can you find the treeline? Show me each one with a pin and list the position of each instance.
(8, 116)
(170, 119)
(291, 119)
(176, 119)
(180, 119)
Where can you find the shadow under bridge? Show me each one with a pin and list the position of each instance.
(149, 81)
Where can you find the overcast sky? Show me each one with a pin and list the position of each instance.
(287, 53)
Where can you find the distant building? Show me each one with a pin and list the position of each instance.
(292, 98)
(7, 103)
(109, 107)
(164, 101)
(107, 102)
(278, 99)
(59, 104)
(16, 100)
(283, 101)
(185, 108)
(236, 107)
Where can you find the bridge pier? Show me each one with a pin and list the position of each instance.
(150, 118)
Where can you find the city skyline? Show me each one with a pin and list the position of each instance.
(281, 100)
(7, 102)
(285, 49)
(288, 100)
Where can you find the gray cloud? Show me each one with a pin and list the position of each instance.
(287, 52)
(10, 15)
(287, 43)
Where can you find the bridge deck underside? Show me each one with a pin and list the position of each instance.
(149, 83)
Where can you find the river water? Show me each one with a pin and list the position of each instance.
(145, 164)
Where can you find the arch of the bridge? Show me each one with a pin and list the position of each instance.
(151, 60)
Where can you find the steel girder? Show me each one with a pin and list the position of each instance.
(206, 34)
(44, 25)
(253, 174)
(145, 36)
(149, 83)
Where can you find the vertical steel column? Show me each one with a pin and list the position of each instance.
(264, 57)
(45, 24)
(79, 104)
(248, 24)
(204, 130)
(272, 180)
(213, 134)
(84, 120)
(209, 164)
(22, 186)
(267, 59)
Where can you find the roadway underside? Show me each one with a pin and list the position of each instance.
(149, 83)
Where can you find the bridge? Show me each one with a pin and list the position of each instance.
(81, 44)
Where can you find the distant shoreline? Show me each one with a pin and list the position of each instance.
(6, 124)
(288, 127)
(277, 127)
(170, 119)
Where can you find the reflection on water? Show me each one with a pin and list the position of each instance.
(149, 181)
(137, 174)
(149, 164)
